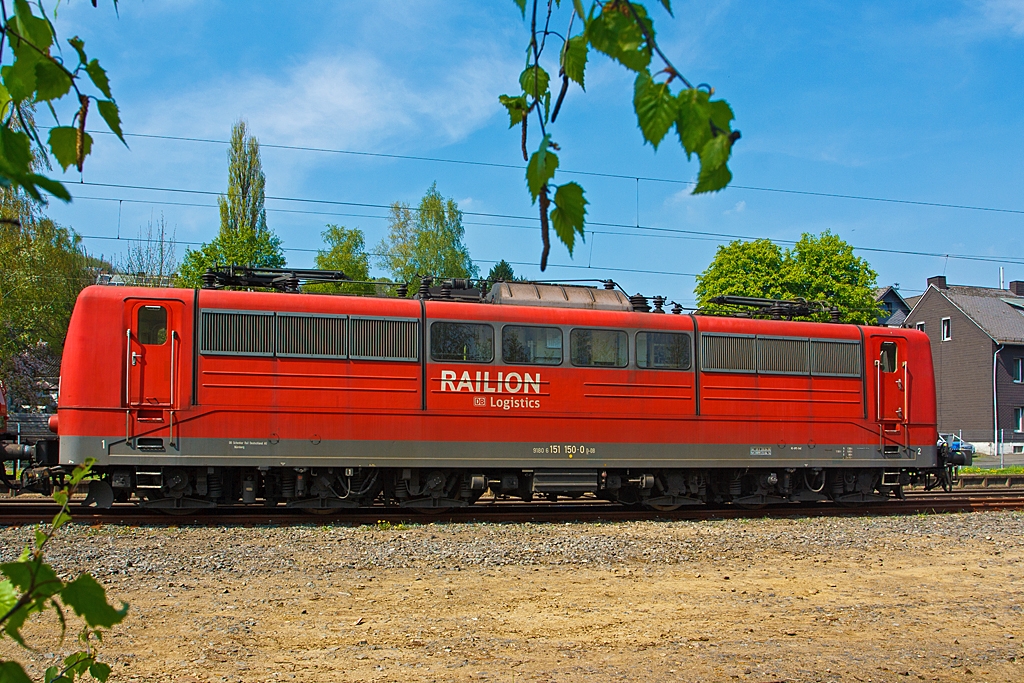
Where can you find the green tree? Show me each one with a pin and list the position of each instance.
(623, 31)
(43, 267)
(501, 272)
(244, 238)
(817, 268)
(428, 244)
(824, 268)
(741, 269)
(346, 251)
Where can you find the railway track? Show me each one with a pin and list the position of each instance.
(31, 511)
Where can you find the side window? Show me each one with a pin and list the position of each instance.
(1018, 370)
(531, 345)
(467, 342)
(887, 356)
(947, 332)
(663, 350)
(599, 348)
(152, 327)
(920, 326)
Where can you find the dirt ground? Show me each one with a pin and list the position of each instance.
(934, 598)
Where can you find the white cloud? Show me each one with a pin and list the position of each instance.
(740, 207)
(342, 101)
(684, 196)
(1005, 14)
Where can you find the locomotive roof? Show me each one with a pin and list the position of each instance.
(558, 296)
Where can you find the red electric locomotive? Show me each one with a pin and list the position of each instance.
(199, 398)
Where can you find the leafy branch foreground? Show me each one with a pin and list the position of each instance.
(623, 31)
(30, 585)
(38, 74)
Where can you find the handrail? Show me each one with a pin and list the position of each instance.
(906, 394)
(878, 390)
(173, 392)
(128, 369)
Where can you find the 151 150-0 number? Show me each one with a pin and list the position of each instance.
(566, 449)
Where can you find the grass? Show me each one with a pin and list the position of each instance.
(385, 525)
(1014, 469)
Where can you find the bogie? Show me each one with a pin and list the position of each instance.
(433, 489)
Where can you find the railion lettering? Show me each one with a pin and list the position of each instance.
(481, 382)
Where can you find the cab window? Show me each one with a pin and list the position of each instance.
(887, 356)
(152, 325)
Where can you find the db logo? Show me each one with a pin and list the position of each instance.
(480, 401)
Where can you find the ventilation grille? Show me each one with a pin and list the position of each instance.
(227, 333)
(835, 359)
(382, 339)
(782, 356)
(309, 336)
(727, 353)
(300, 335)
(774, 355)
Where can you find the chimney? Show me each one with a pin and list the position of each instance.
(1017, 287)
(939, 281)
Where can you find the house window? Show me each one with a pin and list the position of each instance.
(1018, 420)
(1018, 370)
(947, 334)
(920, 326)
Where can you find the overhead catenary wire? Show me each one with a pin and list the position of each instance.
(721, 235)
(599, 174)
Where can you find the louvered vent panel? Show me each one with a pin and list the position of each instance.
(782, 356)
(230, 333)
(727, 353)
(835, 358)
(311, 336)
(383, 339)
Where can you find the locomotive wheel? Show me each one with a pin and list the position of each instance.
(664, 508)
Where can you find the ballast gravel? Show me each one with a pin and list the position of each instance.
(934, 598)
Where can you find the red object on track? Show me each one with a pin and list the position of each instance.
(541, 390)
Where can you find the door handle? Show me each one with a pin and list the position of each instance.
(135, 358)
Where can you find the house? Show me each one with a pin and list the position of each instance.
(893, 307)
(977, 339)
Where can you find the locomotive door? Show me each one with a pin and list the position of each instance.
(891, 391)
(152, 371)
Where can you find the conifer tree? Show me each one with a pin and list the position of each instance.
(244, 238)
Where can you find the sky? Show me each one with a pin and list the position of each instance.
(915, 103)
